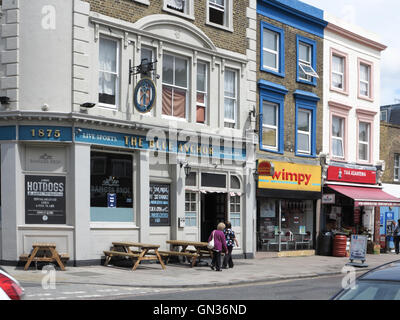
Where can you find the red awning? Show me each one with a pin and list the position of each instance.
(367, 196)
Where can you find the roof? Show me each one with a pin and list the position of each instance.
(390, 271)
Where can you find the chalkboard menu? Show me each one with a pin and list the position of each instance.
(45, 200)
(159, 204)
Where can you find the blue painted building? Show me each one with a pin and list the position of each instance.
(290, 93)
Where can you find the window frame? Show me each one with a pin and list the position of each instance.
(272, 93)
(206, 93)
(370, 65)
(173, 86)
(341, 138)
(188, 11)
(396, 155)
(386, 115)
(367, 143)
(341, 111)
(313, 55)
(308, 133)
(228, 16)
(234, 216)
(345, 57)
(117, 74)
(191, 215)
(281, 52)
(236, 87)
(276, 128)
(366, 116)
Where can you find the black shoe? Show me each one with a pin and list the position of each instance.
(212, 267)
(224, 267)
(218, 270)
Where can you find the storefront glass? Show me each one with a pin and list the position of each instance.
(111, 197)
(285, 224)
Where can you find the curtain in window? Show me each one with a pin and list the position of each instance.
(179, 100)
(167, 101)
(230, 95)
(176, 4)
(108, 70)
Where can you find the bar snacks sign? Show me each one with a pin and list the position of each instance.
(291, 176)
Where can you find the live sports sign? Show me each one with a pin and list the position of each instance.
(351, 175)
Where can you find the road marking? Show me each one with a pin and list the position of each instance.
(76, 292)
(107, 290)
(90, 296)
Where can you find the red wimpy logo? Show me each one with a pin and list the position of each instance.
(290, 176)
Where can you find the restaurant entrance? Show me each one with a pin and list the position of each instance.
(213, 211)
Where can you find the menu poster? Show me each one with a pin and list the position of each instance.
(45, 200)
(159, 204)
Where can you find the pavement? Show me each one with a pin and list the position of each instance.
(245, 271)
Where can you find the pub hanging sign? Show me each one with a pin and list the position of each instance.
(45, 200)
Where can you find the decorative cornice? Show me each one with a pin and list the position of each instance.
(338, 105)
(355, 37)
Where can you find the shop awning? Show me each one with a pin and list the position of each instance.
(367, 196)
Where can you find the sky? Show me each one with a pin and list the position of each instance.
(382, 18)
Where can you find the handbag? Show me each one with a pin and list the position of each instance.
(211, 243)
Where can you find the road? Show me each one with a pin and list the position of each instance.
(321, 288)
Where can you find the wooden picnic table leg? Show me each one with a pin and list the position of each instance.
(194, 261)
(56, 256)
(159, 258)
(30, 259)
(142, 254)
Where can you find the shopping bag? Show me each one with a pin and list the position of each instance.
(211, 243)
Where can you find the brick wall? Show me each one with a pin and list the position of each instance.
(131, 11)
(289, 81)
(389, 146)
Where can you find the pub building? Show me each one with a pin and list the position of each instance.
(351, 201)
(288, 201)
(123, 127)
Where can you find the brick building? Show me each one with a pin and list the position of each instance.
(290, 97)
(125, 120)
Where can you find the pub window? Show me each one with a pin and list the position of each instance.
(235, 182)
(108, 72)
(213, 180)
(111, 187)
(191, 209)
(235, 211)
(191, 179)
(396, 167)
(202, 96)
(146, 56)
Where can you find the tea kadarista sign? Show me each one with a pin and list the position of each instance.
(292, 176)
(351, 175)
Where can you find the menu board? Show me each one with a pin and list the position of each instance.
(45, 200)
(159, 204)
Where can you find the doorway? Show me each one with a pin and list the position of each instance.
(213, 211)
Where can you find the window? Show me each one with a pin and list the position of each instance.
(338, 137)
(147, 56)
(384, 115)
(363, 141)
(235, 182)
(270, 125)
(235, 211)
(213, 180)
(111, 187)
(306, 60)
(272, 49)
(175, 86)
(191, 179)
(202, 97)
(338, 72)
(219, 14)
(183, 8)
(396, 167)
(108, 72)
(230, 98)
(365, 80)
(217, 11)
(304, 120)
(191, 209)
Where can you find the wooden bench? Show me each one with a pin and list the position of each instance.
(24, 257)
(110, 254)
(168, 254)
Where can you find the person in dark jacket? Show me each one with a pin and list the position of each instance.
(396, 237)
(230, 243)
(219, 246)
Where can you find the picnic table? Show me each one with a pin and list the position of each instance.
(200, 250)
(44, 252)
(145, 252)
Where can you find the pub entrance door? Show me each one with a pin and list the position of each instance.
(213, 211)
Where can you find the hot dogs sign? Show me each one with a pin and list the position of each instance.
(291, 176)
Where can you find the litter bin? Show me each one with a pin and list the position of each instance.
(325, 243)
